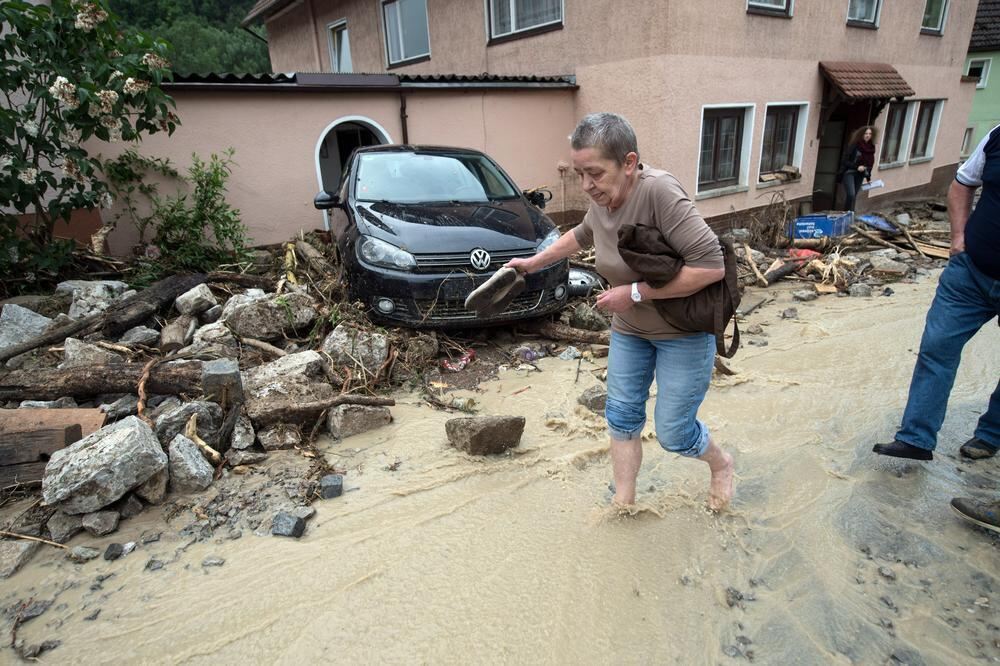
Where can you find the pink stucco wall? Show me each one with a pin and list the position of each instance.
(276, 135)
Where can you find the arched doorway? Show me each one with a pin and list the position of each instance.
(337, 142)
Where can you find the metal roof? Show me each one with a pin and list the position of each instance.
(325, 81)
(986, 29)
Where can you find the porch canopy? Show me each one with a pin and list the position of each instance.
(851, 82)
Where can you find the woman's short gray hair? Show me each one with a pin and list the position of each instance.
(609, 133)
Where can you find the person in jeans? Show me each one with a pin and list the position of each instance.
(622, 191)
(967, 298)
(859, 160)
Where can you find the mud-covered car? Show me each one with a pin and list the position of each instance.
(418, 228)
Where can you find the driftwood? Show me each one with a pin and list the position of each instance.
(92, 380)
(313, 258)
(784, 270)
(906, 233)
(569, 334)
(879, 241)
(241, 280)
(191, 432)
(177, 334)
(761, 282)
(305, 411)
(118, 318)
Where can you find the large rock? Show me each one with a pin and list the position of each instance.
(18, 324)
(195, 301)
(141, 335)
(13, 555)
(307, 365)
(586, 317)
(91, 297)
(189, 471)
(483, 435)
(77, 353)
(62, 526)
(243, 434)
(889, 267)
(273, 388)
(172, 422)
(347, 420)
(237, 301)
(103, 466)
(269, 318)
(348, 345)
(154, 489)
(595, 399)
(216, 334)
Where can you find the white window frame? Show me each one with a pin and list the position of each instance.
(788, 11)
(399, 19)
(331, 31)
(904, 141)
(489, 20)
(987, 63)
(966, 148)
(932, 135)
(861, 22)
(944, 19)
(749, 113)
(798, 152)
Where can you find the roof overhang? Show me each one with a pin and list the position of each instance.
(857, 81)
(330, 82)
(265, 9)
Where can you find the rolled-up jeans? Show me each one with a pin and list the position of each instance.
(683, 370)
(965, 300)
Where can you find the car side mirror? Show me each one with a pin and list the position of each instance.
(326, 200)
(538, 197)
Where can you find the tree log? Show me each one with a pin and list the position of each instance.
(92, 380)
(309, 411)
(313, 258)
(784, 270)
(551, 329)
(242, 280)
(177, 334)
(118, 318)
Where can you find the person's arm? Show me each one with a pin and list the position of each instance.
(689, 280)
(959, 206)
(566, 246)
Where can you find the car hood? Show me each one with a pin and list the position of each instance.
(422, 228)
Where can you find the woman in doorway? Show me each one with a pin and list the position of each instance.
(624, 191)
(859, 160)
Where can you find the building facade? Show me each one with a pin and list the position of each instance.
(725, 95)
(984, 51)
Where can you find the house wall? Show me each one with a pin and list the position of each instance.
(985, 112)
(276, 137)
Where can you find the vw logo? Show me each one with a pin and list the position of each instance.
(480, 259)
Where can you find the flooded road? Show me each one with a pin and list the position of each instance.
(826, 556)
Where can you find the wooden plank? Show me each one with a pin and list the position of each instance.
(26, 420)
(933, 250)
(25, 473)
(36, 445)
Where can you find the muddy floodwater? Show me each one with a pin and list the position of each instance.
(827, 555)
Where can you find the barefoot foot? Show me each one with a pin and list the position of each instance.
(720, 491)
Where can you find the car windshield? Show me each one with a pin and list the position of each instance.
(430, 177)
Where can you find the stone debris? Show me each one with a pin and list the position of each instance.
(92, 297)
(331, 486)
(173, 421)
(195, 301)
(77, 353)
(287, 524)
(594, 398)
(485, 435)
(351, 347)
(270, 317)
(280, 436)
(127, 405)
(101, 523)
(348, 420)
(81, 554)
(189, 471)
(154, 489)
(213, 561)
(63, 527)
(14, 554)
(141, 335)
(61, 403)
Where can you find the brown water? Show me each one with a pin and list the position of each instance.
(517, 559)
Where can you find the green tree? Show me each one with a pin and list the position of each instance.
(69, 74)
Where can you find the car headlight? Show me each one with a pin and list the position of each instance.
(549, 239)
(380, 253)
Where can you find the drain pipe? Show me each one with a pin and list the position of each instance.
(402, 118)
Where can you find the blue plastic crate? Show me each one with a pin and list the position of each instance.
(819, 225)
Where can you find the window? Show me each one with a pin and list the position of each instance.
(981, 70)
(778, 147)
(775, 7)
(340, 48)
(864, 13)
(512, 16)
(721, 142)
(894, 136)
(926, 130)
(934, 14)
(406, 32)
(967, 140)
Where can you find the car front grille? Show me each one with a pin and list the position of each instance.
(454, 310)
(460, 261)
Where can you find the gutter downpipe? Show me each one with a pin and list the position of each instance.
(402, 117)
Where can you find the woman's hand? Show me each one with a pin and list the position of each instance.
(617, 299)
(861, 168)
(522, 264)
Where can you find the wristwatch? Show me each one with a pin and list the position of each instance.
(636, 296)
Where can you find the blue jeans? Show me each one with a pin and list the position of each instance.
(683, 369)
(966, 299)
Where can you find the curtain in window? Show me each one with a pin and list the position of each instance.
(727, 148)
(536, 12)
(501, 17)
(934, 14)
(862, 10)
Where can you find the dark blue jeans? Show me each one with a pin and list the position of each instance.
(852, 185)
(966, 299)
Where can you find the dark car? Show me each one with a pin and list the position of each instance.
(418, 228)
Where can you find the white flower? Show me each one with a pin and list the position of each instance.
(65, 92)
(29, 176)
(72, 169)
(154, 61)
(5, 161)
(31, 127)
(89, 16)
(72, 135)
(107, 201)
(134, 87)
(108, 99)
